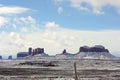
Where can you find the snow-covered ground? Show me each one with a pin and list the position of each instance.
(88, 69)
(66, 63)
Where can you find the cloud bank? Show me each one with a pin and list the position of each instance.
(54, 41)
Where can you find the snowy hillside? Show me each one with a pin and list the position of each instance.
(37, 56)
(95, 52)
(94, 55)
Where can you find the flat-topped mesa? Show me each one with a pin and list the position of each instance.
(96, 48)
(84, 49)
(95, 52)
(22, 54)
(10, 57)
(0, 57)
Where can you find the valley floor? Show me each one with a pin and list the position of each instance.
(59, 69)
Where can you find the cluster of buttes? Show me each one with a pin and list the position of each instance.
(32, 52)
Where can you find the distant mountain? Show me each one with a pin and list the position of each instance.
(95, 52)
(85, 52)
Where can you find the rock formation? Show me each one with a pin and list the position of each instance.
(35, 51)
(10, 57)
(64, 55)
(0, 57)
(85, 52)
(22, 54)
(96, 48)
(95, 52)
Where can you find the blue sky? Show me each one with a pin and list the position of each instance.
(70, 17)
(46, 21)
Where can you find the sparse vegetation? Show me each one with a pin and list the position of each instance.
(63, 70)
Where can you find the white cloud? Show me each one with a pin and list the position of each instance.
(24, 24)
(14, 35)
(3, 21)
(24, 29)
(55, 41)
(11, 43)
(12, 10)
(51, 25)
(18, 24)
(58, 2)
(96, 6)
(60, 10)
(31, 20)
(14, 26)
(26, 20)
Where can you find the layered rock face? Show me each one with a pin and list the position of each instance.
(96, 48)
(95, 52)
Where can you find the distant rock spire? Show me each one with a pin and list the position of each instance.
(30, 51)
(64, 51)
